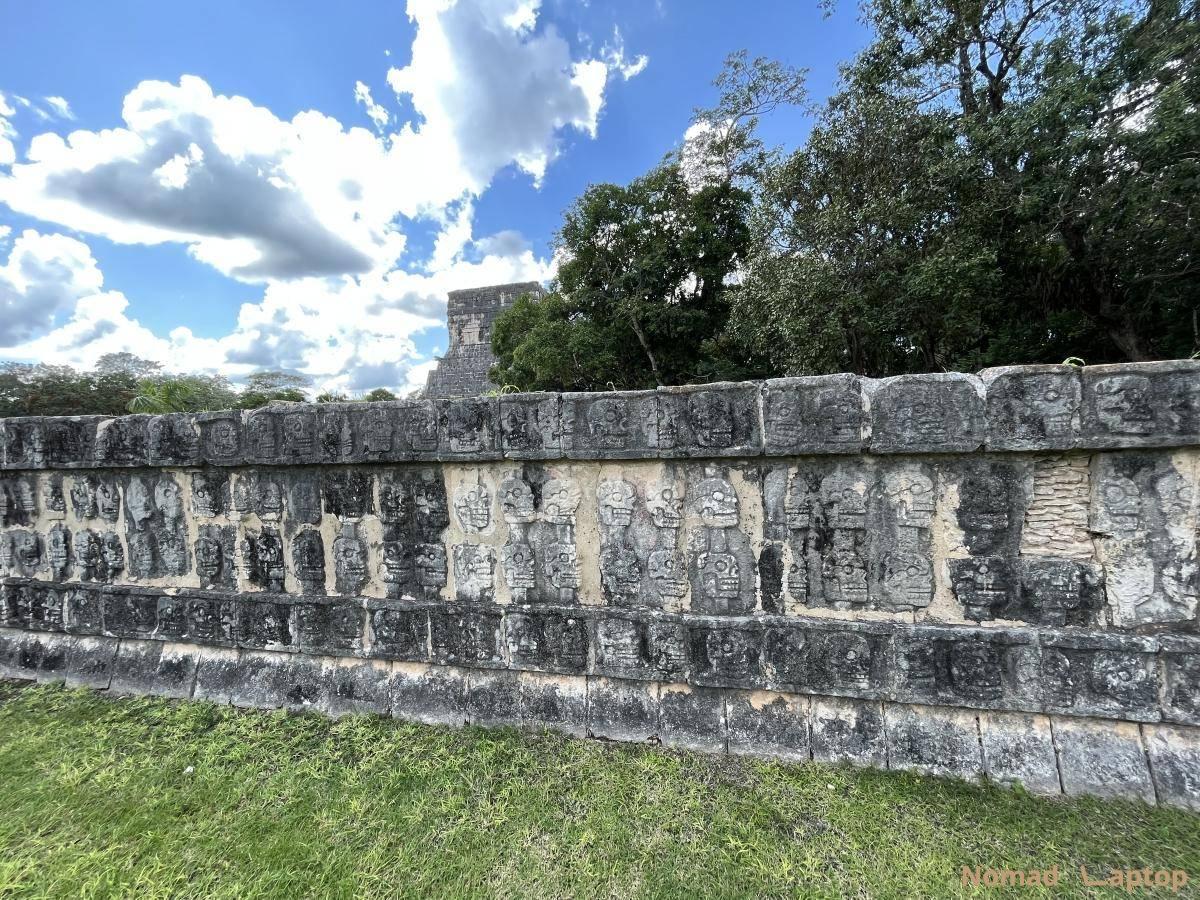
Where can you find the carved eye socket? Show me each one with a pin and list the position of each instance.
(718, 495)
(1051, 395)
(851, 655)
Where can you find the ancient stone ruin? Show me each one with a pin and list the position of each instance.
(976, 576)
(463, 371)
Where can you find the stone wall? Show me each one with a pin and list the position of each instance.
(463, 371)
(991, 575)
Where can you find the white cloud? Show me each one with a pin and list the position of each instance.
(491, 89)
(614, 57)
(349, 333)
(375, 112)
(312, 210)
(8, 151)
(59, 107)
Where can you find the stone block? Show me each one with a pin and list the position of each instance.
(941, 413)
(357, 687)
(622, 710)
(848, 731)
(432, 695)
(130, 612)
(24, 442)
(89, 663)
(1181, 679)
(420, 428)
(610, 425)
(1174, 754)
(466, 636)
(492, 698)
(20, 654)
(70, 441)
(56, 650)
(557, 702)
(331, 627)
(725, 652)
(1018, 748)
(470, 428)
(933, 740)
(266, 622)
(280, 681)
(708, 420)
(1102, 759)
(1097, 674)
(969, 667)
(221, 439)
(632, 647)
(173, 439)
(691, 718)
(1032, 407)
(376, 429)
(531, 426)
(813, 414)
(547, 640)
(767, 724)
(218, 675)
(122, 442)
(398, 631)
(1154, 404)
(153, 667)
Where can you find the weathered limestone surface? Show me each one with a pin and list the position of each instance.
(463, 371)
(943, 573)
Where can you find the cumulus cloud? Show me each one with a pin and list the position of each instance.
(312, 211)
(44, 277)
(375, 112)
(59, 107)
(491, 89)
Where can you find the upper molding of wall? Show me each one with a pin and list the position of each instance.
(1014, 408)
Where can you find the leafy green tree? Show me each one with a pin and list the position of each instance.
(270, 386)
(182, 393)
(641, 295)
(379, 394)
(994, 183)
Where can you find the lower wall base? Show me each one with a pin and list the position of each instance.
(1049, 755)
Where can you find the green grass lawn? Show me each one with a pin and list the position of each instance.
(156, 799)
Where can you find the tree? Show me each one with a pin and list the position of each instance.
(640, 297)
(379, 394)
(1001, 182)
(125, 363)
(271, 386)
(182, 393)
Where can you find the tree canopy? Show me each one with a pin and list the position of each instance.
(994, 182)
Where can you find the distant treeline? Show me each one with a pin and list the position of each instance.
(121, 383)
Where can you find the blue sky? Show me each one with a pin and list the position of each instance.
(297, 184)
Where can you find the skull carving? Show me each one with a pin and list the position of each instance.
(58, 551)
(844, 500)
(1120, 504)
(620, 574)
(473, 506)
(308, 559)
(717, 503)
(299, 434)
(139, 506)
(666, 425)
(377, 438)
(711, 417)
(397, 563)
(516, 560)
(431, 565)
(83, 498)
(210, 558)
(911, 496)
(207, 497)
(608, 423)
(270, 499)
(1123, 404)
(666, 507)
(350, 562)
(845, 576)
(616, 502)
(167, 499)
(421, 428)
(108, 501)
(560, 500)
(798, 505)
(975, 670)
(391, 499)
(113, 554)
(89, 555)
(922, 416)
(840, 414)
(667, 574)
(720, 580)
(516, 501)
(561, 565)
(908, 578)
(848, 657)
